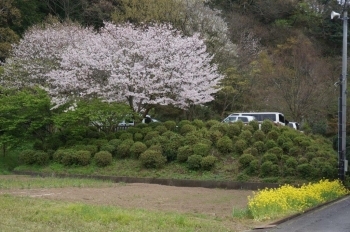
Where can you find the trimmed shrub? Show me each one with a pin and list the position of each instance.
(259, 135)
(225, 145)
(190, 139)
(103, 158)
(233, 130)
(183, 153)
(161, 129)
(187, 128)
(91, 148)
(295, 151)
(240, 146)
(248, 128)
(115, 142)
(198, 123)
(222, 127)
(269, 169)
(150, 135)
(183, 122)
(201, 149)
(246, 135)
(82, 158)
(123, 150)
(208, 162)
(152, 158)
(254, 124)
(211, 122)
(146, 129)
(291, 162)
(305, 170)
(108, 147)
(245, 159)
(215, 135)
(251, 150)
(270, 144)
(171, 146)
(253, 168)
(266, 126)
(194, 162)
(99, 142)
(170, 125)
(138, 136)
(61, 153)
(277, 151)
(260, 146)
(270, 157)
(137, 148)
(273, 135)
(27, 157)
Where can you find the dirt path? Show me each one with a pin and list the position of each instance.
(216, 203)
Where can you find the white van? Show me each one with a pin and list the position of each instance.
(294, 125)
(276, 117)
(234, 118)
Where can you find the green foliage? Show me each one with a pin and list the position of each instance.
(123, 150)
(225, 145)
(208, 162)
(171, 145)
(266, 126)
(183, 153)
(103, 158)
(253, 168)
(82, 158)
(137, 148)
(30, 157)
(270, 144)
(305, 170)
(161, 129)
(240, 145)
(246, 135)
(259, 135)
(251, 150)
(215, 135)
(187, 128)
(138, 137)
(170, 125)
(108, 147)
(201, 149)
(91, 148)
(273, 135)
(270, 157)
(260, 146)
(269, 169)
(126, 135)
(150, 135)
(233, 130)
(276, 150)
(211, 123)
(190, 139)
(24, 114)
(194, 162)
(198, 123)
(61, 153)
(152, 158)
(245, 159)
(254, 124)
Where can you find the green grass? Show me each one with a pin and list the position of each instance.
(28, 214)
(49, 182)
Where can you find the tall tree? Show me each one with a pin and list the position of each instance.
(144, 66)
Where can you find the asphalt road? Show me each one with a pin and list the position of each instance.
(333, 217)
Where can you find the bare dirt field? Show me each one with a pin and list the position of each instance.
(215, 203)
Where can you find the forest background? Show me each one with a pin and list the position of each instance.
(280, 55)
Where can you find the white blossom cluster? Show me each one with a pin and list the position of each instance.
(138, 65)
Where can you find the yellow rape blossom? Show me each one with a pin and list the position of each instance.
(285, 200)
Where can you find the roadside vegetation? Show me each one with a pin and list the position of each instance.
(188, 150)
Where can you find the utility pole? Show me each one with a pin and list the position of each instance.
(342, 162)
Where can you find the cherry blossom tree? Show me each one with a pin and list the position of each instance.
(143, 66)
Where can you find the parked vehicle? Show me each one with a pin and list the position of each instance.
(234, 118)
(276, 117)
(294, 125)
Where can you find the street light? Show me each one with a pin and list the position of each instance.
(342, 162)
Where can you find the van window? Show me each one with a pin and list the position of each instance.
(243, 119)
